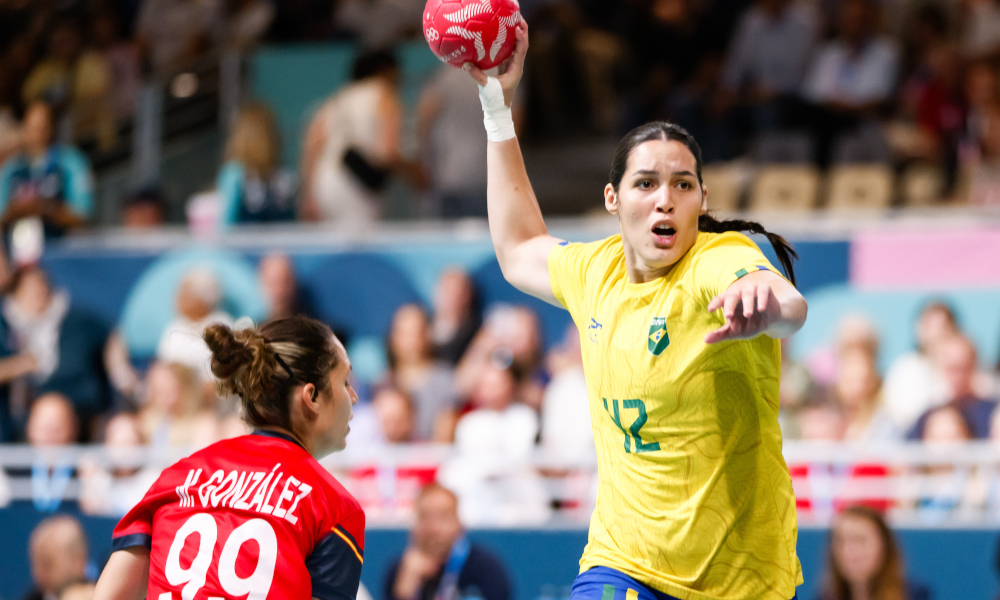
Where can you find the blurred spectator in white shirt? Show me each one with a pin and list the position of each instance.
(414, 370)
(198, 299)
(450, 126)
(456, 317)
(913, 383)
(492, 472)
(114, 489)
(566, 429)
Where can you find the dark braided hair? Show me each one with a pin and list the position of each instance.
(661, 130)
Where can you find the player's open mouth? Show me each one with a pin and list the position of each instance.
(664, 235)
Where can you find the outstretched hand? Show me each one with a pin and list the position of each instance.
(510, 70)
(750, 308)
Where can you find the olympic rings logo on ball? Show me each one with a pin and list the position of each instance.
(432, 34)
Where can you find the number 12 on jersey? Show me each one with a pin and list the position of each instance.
(254, 587)
(632, 433)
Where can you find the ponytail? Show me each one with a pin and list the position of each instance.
(782, 248)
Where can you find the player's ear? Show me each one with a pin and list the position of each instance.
(704, 198)
(309, 396)
(611, 199)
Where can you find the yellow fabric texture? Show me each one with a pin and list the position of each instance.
(694, 499)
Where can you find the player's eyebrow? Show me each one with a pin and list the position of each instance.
(646, 173)
(684, 173)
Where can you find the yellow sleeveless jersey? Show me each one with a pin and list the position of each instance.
(694, 498)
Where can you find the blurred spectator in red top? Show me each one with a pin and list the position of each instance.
(957, 360)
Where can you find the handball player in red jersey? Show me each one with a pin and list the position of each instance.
(255, 516)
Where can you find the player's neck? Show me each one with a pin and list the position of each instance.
(640, 272)
(306, 444)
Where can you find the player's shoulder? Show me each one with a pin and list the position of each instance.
(605, 251)
(334, 493)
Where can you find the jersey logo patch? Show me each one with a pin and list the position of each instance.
(594, 329)
(658, 339)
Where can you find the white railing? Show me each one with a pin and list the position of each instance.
(916, 484)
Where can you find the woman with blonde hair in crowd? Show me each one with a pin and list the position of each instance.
(858, 393)
(252, 186)
(177, 413)
(864, 561)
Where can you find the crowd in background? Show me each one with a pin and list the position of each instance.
(901, 83)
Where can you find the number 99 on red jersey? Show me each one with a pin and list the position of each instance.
(254, 517)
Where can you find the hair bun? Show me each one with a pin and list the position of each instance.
(241, 360)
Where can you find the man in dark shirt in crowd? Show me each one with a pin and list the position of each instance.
(439, 562)
(957, 360)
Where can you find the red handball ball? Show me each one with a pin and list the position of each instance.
(476, 31)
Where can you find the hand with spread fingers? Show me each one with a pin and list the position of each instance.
(758, 303)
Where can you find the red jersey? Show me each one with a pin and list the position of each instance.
(270, 523)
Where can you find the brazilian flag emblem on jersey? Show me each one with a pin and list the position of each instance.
(658, 339)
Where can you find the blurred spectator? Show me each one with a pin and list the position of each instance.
(280, 289)
(51, 425)
(122, 60)
(456, 316)
(439, 561)
(849, 82)
(981, 28)
(115, 488)
(491, 472)
(913, 383)
(394, 411)
(52, 422)
(854, 331)
(865, 561)
(566, 429)
(821, 422)
(984, 189)
(380, 23)
(414, 370)
(198, 299)
(176, 414)
(245, 22)
(946, 425)
(79, 590)
(252, 186)
(58, 552)
(957, 360)
(766, 62)
(173, 35)
(511, 336)
(45, 180)
(858, 394)
(449, 122)
(66, 343)
(77, 81)
(145, 209)
(352, 143)
(498, 423)
(10, 133)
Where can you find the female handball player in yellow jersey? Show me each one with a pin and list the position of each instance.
(680, 317)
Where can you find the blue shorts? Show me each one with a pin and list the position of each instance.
(603, 583)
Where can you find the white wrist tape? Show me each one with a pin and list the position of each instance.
(497, 116)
